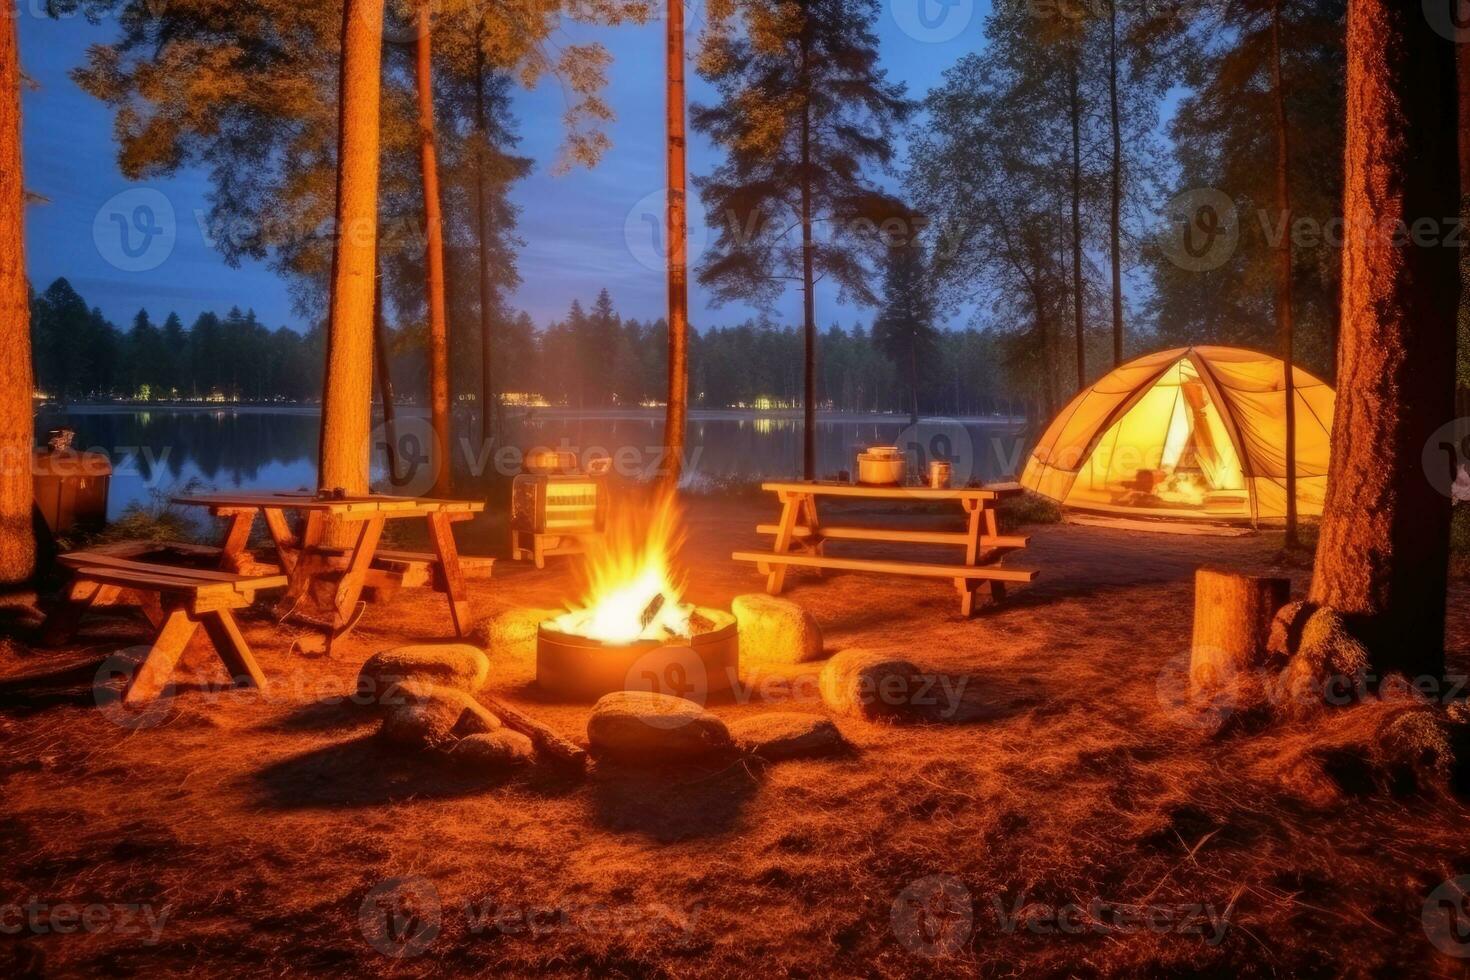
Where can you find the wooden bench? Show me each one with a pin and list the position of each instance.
(394, 570)
(177, 600)
(966, 578)
(801, 537)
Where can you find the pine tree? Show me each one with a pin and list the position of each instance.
(17, 540)
(1383, 552)
(904, 329)
(804, 112)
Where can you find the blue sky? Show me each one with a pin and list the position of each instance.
(583, 230)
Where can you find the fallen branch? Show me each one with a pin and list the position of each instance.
(552, 744)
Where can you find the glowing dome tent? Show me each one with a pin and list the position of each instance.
(1197, 432)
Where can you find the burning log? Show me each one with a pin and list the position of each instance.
(545, 739)
(651, 611)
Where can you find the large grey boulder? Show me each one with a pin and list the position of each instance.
(870, 685)
(643, 727)
(424, 716)
(512, 634)
(490, 751)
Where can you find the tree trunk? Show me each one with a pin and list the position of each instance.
(677, 412)
(1116, 223)
(914, 380)
(489, 401)
(433, 256)
(1284, 273)
(1232, 622)
(1383, 551)
(1075, 85)
(1462, 373)
(808, 289)
(348, 387)
(385, 380)
(17, 425)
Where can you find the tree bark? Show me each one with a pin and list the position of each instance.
(1116, 223)
(1383, 551)
(489, 401)
(433, 256)
(1462, 372)
(1075, 94)
(808, 285)
(17, 425)
(1284, 273)
(348, 386)
(385, 380)
(676, 414)
(1232, 623)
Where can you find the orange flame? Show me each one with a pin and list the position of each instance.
(625, 571)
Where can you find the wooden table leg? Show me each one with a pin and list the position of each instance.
(967, 597)
(441, 530)
(791, 507)
(307, 566)
(157, 668)
(233, 556)
(975, 509)
(287, 546)
(232, 649)
(350, 588)
(808, 518)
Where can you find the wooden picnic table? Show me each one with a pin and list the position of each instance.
(308, 562)
(801, 537)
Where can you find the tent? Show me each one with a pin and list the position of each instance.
(1197, 432)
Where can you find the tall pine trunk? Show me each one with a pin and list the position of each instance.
(1384, 548)
(1284, 326)
(347, 390)
(808, 282)
(489, 400)
(1116, 218)
(385, 378)
(17, 435)
(677, 413)
(1462, 57)
(433, 255)
(1075, 107)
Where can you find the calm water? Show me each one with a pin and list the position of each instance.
(158, 451)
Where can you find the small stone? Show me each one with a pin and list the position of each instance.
(640, 726)
(776, 631)
(788, 735)
(502, 749)
(455, 665)
(511, 634)
(424, 716)
(870, 685)
(1414, 747)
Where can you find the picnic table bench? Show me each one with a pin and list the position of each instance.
(801, 537)
(343, 573)
(177, 598)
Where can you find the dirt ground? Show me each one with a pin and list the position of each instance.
(1070, 820)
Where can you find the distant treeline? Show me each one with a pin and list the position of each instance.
(592, 358)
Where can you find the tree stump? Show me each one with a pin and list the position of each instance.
(1232, 623)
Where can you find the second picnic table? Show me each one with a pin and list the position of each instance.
(306, 560)
(800, 537)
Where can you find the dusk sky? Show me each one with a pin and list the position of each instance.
(583, 231)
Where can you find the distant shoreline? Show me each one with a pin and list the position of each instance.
(612, 414)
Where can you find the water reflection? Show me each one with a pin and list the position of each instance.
(161, 449)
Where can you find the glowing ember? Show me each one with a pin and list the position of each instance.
(632, 593)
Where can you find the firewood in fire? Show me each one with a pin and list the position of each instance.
(651, 611)
(699, 623)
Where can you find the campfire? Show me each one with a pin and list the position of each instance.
(631, 629)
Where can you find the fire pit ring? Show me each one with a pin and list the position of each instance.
(581, 668)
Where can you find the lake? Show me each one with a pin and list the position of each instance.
(156, 451)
